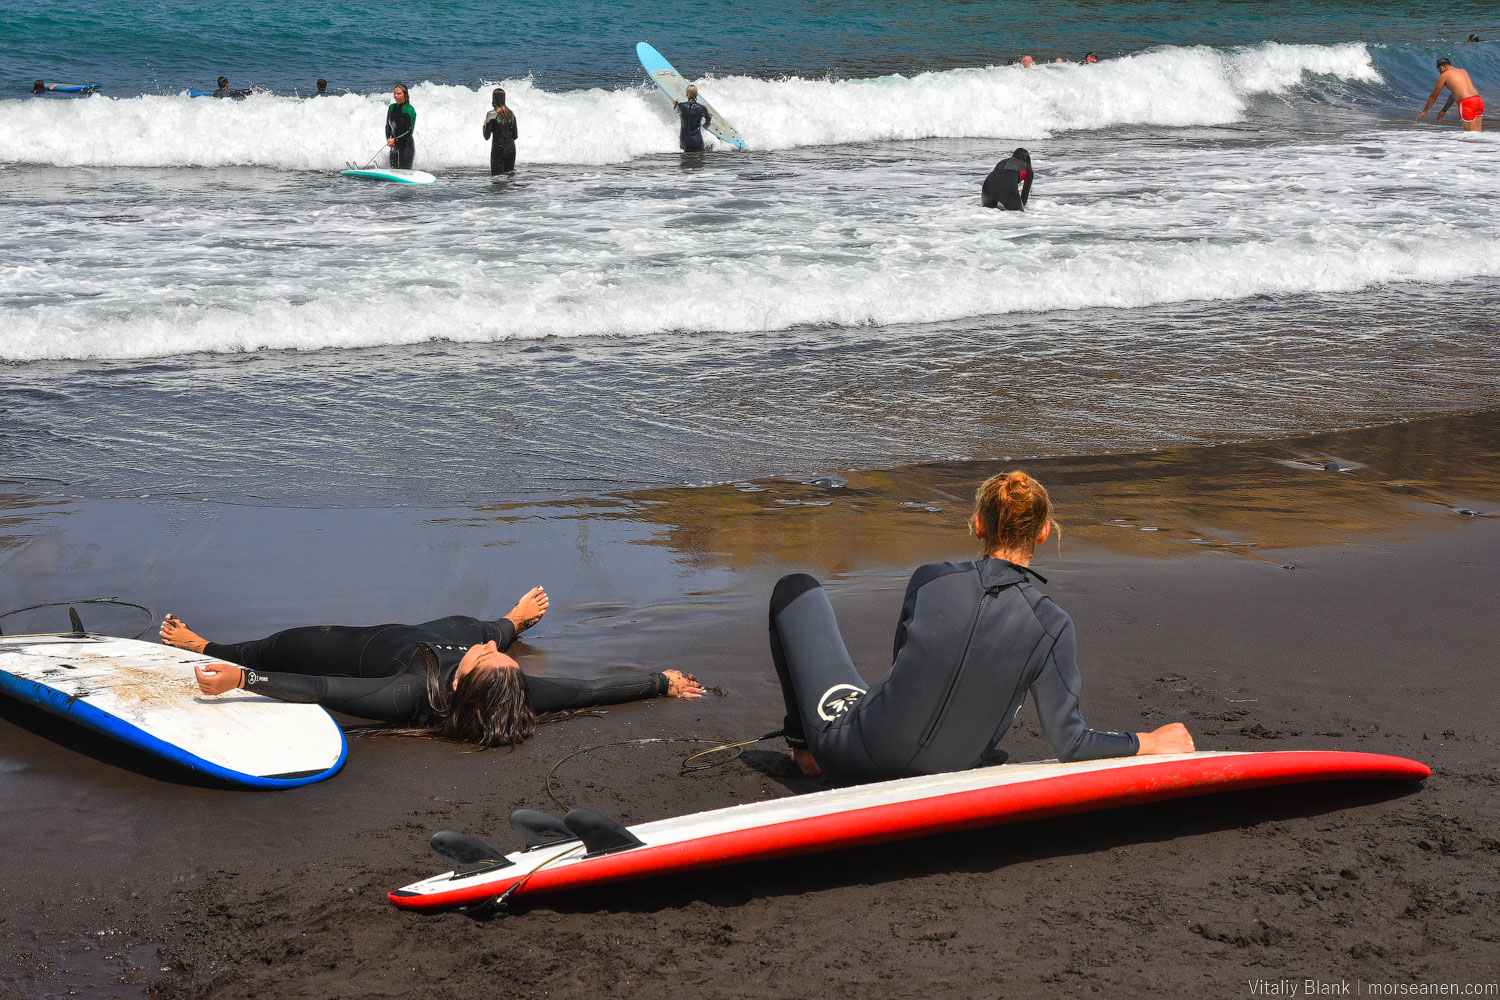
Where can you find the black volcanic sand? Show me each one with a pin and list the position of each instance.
(1325, 593)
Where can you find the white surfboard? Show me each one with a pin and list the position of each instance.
(146, 695)
(393, 176)
(674, 86)
(584, 848)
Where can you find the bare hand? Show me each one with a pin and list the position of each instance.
(390, 142)
(1171, 738)
(681, 685)
(216, 678)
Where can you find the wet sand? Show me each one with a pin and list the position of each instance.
(1328, 592)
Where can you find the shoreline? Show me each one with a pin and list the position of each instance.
(1380, 638)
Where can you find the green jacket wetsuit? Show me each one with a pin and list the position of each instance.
(401, 124)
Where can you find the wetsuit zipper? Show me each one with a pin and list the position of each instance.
(962, 662)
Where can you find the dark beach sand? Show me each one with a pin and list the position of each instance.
(1319, 593)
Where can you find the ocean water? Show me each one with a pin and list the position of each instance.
(1238, 230)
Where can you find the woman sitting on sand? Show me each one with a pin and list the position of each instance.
(447, 678)
(973, 638)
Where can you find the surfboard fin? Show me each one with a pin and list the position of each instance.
(469, 855)
(537, 829)
(600, 834)
(76, 622)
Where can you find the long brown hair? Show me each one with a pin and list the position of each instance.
(1012, 509)
(502, 113)
(489, 707)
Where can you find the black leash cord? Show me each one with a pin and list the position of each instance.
(687, 763)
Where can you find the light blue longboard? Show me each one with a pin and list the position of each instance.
(73, 88)
(393, 176)
(146, 696)
(674, 86)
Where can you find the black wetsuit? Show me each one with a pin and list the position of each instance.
(1008, 185)
(694, 116)
(400, 124)
(380, 671)
(973, 638)
(502, 135)
(228, 92)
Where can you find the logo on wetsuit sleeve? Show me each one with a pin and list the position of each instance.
(837, 700)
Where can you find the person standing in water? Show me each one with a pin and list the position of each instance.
(1009, 184)
(1460, 89)
(400, 124)
(500, 129)
(694, 118)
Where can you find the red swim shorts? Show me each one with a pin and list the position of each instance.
(1471, 108)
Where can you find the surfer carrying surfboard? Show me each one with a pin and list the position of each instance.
(972, 640)
(447, 678)
(694, 118)
(400, 126)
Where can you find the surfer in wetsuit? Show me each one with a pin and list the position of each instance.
(972, 640)
(400, 124)
(500, 129)
(447, 678)
(694, 117)
(226, 91)
(1009, 184)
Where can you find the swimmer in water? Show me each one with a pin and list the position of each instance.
(400, 124)
(448, 678)
(322, 86)
(500, 129)
(1460, 89)
(1008, 186)
(694, 117)
(974, 639)
(225, 90)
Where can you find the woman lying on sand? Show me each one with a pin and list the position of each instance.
(973, 638)
(447, 678)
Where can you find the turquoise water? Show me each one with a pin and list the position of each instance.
(157, 47)
(1238, 230)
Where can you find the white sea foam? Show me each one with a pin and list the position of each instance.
(629, 252)
(1165, 87)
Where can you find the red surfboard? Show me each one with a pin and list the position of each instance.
(591, 851)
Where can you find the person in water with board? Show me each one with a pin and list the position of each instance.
(972, 640)
(449, 678)
(694, 118)
(1008, 186)
(400, 127)
(226, 91)
(500, 129)
(1460, 89)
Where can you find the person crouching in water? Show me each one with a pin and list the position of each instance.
(500, 129)
(400, 127)
(974, 638)
(1009, 184)
(695, 117)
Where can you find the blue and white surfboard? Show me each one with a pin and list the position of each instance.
(146, 695)
(674, 86)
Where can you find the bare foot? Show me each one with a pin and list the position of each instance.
(174, 633)
(805, 763)
(681, 685)
(529, 609)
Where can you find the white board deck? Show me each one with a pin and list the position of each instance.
(892, 810)
(392, 176)
(146, 694)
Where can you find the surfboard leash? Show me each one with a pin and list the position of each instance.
(685, 767)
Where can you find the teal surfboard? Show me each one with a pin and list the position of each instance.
(674, 86)
(393, 176)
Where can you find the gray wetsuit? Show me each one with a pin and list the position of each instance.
(973, 639)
